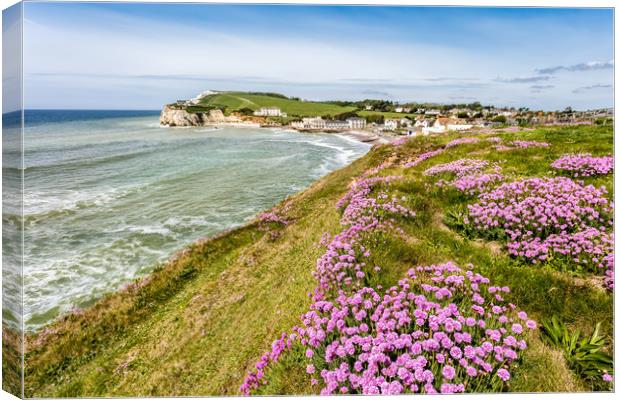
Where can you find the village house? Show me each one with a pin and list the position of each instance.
(390, 125)
(405, 122)
(447, 124)
(453, 124)
(309, 123)
(432, 112)
(422, 123)
(400, 109)
(269, 112)
(356, 123)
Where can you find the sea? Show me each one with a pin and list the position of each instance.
(108, 195)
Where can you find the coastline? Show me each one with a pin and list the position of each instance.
(173, 254)
(366, 137)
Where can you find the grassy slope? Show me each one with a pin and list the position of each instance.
(204, 319)
(239, 100)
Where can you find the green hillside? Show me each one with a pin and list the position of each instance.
(198, 325)
(234, 101)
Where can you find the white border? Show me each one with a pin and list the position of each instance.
(478, 3)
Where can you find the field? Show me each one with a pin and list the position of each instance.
(199, 324)
(389, 115)
(238, 100)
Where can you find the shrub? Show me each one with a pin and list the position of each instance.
(584, 354)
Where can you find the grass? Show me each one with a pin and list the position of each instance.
(237, 100)
(202, 321)
(388, 115)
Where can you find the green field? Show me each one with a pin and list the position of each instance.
(234, 101)
(200, 323)
(387, 115)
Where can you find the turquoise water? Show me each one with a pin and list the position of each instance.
(108, 196)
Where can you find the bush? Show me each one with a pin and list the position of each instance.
(584, 354)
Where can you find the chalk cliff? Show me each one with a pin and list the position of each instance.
(173, 116)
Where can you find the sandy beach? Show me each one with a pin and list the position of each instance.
(360, 136)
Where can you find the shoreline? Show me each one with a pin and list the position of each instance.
(176, 254)
(361, 136)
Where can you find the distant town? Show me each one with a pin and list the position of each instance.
(377, 116)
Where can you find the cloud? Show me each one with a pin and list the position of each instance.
(587, 66)
(540, 88)
(527, 79)
(461, 98)
(377, 93)
(591, 87)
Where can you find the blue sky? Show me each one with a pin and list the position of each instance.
(139, 56)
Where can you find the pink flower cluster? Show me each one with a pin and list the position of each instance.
(343, 264)
(588, 247)
(423, 157)
(584, 164)
(444, 332)
(501, 147)
(545, 218)
(520, 144)
(400, 141)
(375, 170)
(342, 267)
(272, 217)
(475, 184)
(524, 144)
(257, 378)
(461, 167)
(458, 142)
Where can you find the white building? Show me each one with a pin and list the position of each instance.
(336, 125)
(450, 124)
(390, 125)
(432, 112)
(405, 122)
(269, 112)
(356, 123)
(422, 123)
(400, 109)
(310, 123)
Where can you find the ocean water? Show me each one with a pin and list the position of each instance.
(108, 195)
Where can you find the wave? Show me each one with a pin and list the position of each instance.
(39, 206)
(82, 161)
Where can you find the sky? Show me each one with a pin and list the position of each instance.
(11, 59)
(140, 56)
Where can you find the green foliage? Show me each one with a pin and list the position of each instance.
(345, 115)
(269, 94)
(246, 111)
(202, 108)
(604, 121)
(374, 118)
(584, 354)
